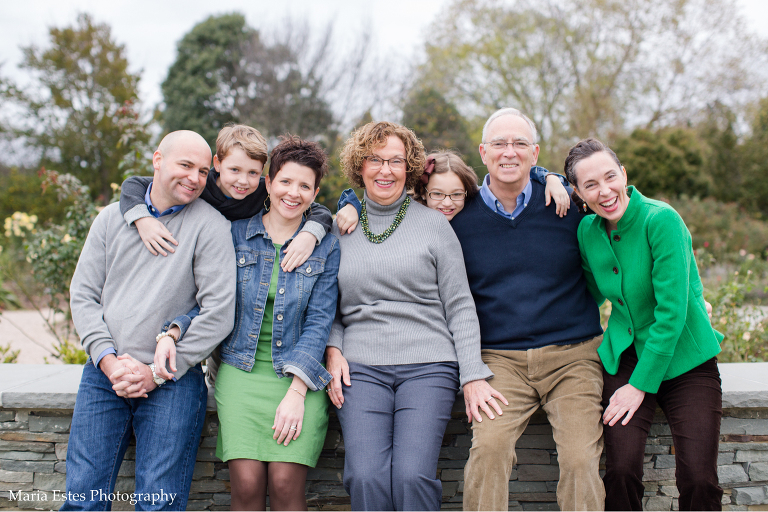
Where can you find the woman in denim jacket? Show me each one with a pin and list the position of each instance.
(272, 429)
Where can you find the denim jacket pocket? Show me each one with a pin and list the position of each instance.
(246, 264)
(308, 272)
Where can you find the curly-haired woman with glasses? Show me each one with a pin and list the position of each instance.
(405, 328)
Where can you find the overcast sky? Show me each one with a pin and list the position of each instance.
(150, 29)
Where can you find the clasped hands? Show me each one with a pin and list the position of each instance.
(129, 377)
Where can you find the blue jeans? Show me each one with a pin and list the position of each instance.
(167, 426)
(393, 421)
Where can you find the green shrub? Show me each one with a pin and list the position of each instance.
(24, 192)
(52, 252)
(723, 229)
(742, 323)
(7, 355)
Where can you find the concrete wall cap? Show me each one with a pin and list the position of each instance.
(42, 386)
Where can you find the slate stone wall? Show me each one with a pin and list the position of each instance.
(33, 445)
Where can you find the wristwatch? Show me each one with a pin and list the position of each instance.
(159, 381)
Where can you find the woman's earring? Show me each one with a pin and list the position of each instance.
(584, 205)
(267, 205)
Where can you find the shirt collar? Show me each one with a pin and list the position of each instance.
(154, 211)
(256, 227)
(494, 204)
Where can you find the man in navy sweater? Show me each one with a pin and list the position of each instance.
(540, 328)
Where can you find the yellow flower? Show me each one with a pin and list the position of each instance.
(746, 336)
(66, 239)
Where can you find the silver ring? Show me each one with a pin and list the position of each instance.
(292, 428)
(489, 399)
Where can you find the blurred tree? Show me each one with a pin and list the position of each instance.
(226, 72)
(437, 122)
(82, 90)
(280, 85)
(199, 88)
(583, 68)
(754, 163)
(669, 161)
(724, 160)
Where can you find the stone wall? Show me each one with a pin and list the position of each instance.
(33, 444)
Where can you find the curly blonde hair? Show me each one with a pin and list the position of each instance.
(372, 136)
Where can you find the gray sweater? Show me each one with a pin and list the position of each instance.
(406, 300)
(121, 294)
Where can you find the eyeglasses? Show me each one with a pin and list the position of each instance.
(456, 197)
(518, 145)
(376, 162)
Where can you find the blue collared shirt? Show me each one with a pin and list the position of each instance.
(156, 213)
(495, 205)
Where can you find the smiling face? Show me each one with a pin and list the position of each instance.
(445, 183)
(385, 185)
(602, 184)
(181, 166)
(292, 190)
(238, 173)
(509, 166)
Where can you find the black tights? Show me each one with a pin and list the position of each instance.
(250, 480)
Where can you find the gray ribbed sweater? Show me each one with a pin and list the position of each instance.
(406, 300)
(121, 294)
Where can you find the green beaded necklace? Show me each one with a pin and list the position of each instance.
(377, 239)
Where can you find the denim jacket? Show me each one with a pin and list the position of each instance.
(305, 305)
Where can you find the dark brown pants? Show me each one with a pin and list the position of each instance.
(692, 404)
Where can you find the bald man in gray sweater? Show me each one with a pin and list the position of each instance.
(120, 296)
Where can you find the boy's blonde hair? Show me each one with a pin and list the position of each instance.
(244, 137)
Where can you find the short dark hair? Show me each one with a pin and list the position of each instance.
(582, 150)
(303, 152)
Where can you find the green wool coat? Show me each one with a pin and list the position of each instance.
(648, 272)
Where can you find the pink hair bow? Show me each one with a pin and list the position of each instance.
(428, 168)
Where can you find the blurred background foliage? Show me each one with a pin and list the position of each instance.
(676, 88)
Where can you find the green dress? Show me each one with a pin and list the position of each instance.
(247, 402)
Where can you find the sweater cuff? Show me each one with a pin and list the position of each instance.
(314, 228)
(474, 371)
(137, 212)
(650, 370)
(96, 350)
(335, 343)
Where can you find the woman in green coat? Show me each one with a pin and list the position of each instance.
(659, 347)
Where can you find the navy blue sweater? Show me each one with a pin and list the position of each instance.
(525, 275)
